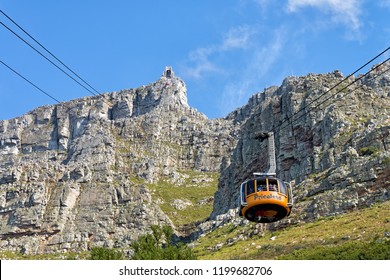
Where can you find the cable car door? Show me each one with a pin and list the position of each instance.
(243, 194)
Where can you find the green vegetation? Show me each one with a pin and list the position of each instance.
(194, 188)
(157, 246)
(386, 160)
(362, 234)
(152, 246)
(10, 255)
(368, 151)
(101, 253)
(317, 177)
(374, 250)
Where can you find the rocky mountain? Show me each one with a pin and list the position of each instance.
(75, 174)
(335, 144)
(86, 172)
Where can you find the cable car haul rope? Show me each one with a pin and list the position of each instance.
(264, 198)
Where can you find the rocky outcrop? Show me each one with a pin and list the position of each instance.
(75, 174)
(79, 174)
(333, 144)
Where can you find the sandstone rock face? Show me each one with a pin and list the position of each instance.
(76, 174)
(73, 175)
(333, 144)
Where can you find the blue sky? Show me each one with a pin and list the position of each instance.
(224, 50)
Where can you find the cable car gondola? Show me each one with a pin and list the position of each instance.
(264, 197)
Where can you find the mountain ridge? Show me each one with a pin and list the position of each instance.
(76, 175)
(97, 171)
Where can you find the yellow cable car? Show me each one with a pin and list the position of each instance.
(265, 198)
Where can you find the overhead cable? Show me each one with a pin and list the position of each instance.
(50, 61)
(291, 118)
(28, 81)
(49, 52)
(45, 57)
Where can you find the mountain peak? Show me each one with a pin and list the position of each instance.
(167, 93)
(94, 173)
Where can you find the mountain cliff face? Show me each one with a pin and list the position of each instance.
(84, 173)
(336, 149)
(75, 175)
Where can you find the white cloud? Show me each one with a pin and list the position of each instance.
(237, 38)
(234, 95)
(244, 80)
(201, 60)
(201, 63)
(262, 59)
(341, 11)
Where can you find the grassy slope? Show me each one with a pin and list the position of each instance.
(363, 234)
(197, 188)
